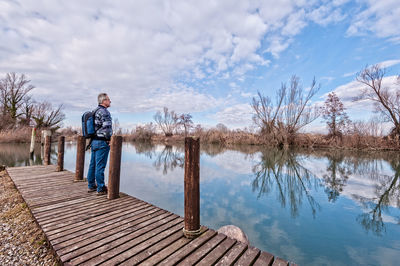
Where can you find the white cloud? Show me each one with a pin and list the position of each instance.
(179, 99)
(380, 18)
(326, 14)
(389, 63)
(142, 52)
(238, 115)
(349, 74)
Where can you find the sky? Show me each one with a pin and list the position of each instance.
(206, 58)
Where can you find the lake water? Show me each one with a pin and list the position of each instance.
(313, 208)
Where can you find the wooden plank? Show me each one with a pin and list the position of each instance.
(47, 183)
(233, 254)
(91, 224)
(60, 195)
(216, 254)
(189, 248)
(265, 258)
(203, 250)
(99, 237)
(83, 234)
(59, 205)
(248, 257)
(90, 201)
(138, 258)
(81, 216)
(167, 251)
(89, 207)
(98, 253)
(144, 242)
(45, 203)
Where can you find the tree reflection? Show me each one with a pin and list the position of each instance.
(337, 175)
(169, 159)
(146, 148)
(283, 170)
(387, 193)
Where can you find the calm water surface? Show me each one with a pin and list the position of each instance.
(313, 208)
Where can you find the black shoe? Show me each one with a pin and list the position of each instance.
(102, 192)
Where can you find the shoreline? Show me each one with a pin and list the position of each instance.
(180, 140)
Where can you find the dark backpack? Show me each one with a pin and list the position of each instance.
(88, 125)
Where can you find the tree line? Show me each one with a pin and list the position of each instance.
(279, 120)
(19, 109)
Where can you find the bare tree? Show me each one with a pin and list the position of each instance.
(46, 116)
(221, 127)
(291, 112)
(117, 129)
(266, 114)
(27, 109)
(13, 89)
(297, 112)
(185, 120)
(167, 121)
(334, 113)
(386, 101)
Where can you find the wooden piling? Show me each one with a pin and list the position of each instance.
(115, 167)
(60, 157)
(192, 188)
(33, 140)
(47, 150)
(80, 158)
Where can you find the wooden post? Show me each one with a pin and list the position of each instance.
(115, 167)
(80, 158)
(47, 150)
(33, 139)
(192, 188)
(60, 158)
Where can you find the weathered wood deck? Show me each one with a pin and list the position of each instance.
(87, 229)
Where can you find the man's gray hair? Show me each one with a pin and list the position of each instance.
(102, 97)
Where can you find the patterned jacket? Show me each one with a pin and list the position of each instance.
(103, 123)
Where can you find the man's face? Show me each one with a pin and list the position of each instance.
(107, 102)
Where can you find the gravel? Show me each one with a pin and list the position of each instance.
(22, 242)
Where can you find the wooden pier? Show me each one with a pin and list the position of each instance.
(86, 229)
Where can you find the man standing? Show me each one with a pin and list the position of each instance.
(100, 146)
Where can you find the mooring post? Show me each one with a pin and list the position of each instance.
(115, 167)
(192, 187)
(33, 140)
(60, 157)
(47, 150)
(80, 158)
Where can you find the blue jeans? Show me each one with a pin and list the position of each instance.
(98, 162)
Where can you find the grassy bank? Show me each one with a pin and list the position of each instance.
(228, 138)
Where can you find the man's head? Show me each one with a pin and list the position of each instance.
(104, 100)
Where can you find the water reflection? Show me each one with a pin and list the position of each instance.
(18, 155)
(283, 171)
(387, 193)
(338, 172)
(146, 148)
(168, 159)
